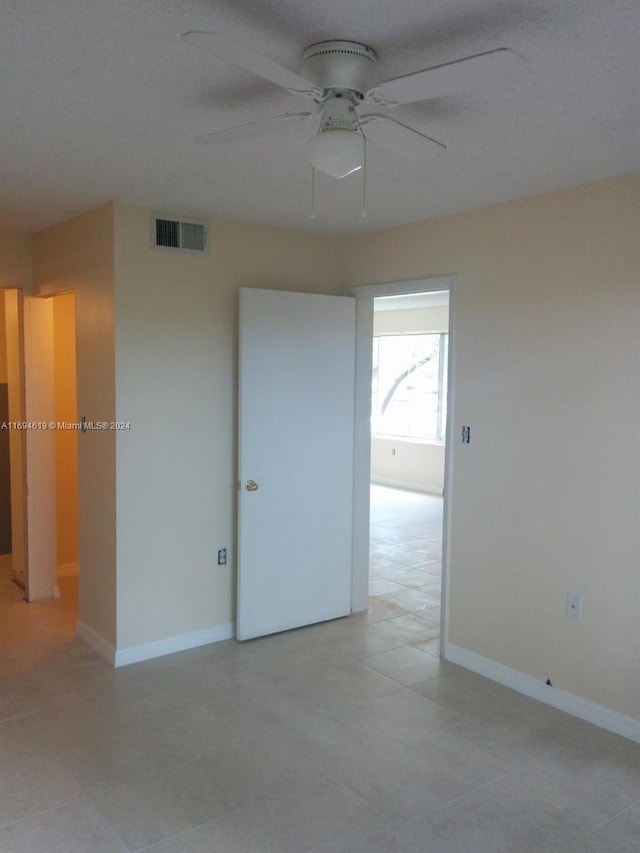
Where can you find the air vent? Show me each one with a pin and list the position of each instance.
(181, 235)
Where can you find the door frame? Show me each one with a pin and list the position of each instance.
(22, 508)
(364, 295)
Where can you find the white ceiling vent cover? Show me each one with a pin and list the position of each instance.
(181, 235)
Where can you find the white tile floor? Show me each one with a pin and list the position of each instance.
(349, 737)
(406, 565)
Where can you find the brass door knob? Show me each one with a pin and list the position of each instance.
(251, 486)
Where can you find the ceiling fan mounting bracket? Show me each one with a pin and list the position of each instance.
(354, 97)
(339, 65)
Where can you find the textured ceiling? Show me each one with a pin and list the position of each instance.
(101, 100)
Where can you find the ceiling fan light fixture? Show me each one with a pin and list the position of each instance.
(336, 152)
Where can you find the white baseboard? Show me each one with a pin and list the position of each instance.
(96, 641)
(178, 643)
(584, 709)
(406, 485)
(67, 570)
(134, 654)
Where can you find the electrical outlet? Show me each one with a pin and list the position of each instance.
(574, 605)
(222, 557)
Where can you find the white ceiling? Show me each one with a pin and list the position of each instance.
(101, 100)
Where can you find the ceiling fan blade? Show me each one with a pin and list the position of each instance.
(253, 128)
(232, 51)
(404, 141)
(472, 72)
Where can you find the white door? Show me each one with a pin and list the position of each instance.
(296, 432)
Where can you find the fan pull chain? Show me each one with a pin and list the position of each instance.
(312, 212)
(364, 178)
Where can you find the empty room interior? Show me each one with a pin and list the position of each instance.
(319, 471)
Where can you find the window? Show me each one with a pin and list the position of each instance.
(410, 386)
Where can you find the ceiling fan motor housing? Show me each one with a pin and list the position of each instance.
(339, 65)
(338, 113)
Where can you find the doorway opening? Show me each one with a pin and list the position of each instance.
(35, 570)
(408, 432)
(408, 444)
(435, 525)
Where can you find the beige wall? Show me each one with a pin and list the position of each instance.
(417, 465)
(176, 364)
(66, 411)
(409, 464)
(78, 256)
(15, 261)
(545, 499)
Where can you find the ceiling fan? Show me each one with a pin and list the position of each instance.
(338, 77)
